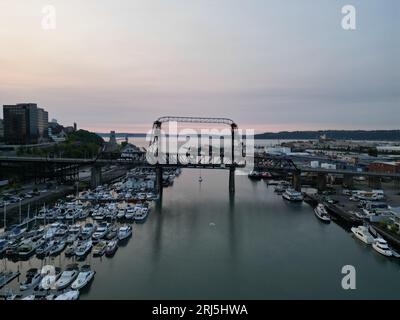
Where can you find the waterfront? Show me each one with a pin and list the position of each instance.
(202, 245)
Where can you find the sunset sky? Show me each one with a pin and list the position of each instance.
(269, 65)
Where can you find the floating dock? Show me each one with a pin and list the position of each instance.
(7, 277)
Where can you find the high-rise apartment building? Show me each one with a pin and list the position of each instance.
(24, 123)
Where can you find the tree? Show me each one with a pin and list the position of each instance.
(373, 152)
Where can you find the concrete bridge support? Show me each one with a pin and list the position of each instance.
(232, 180)
(397, 183)
(96, 178)
(321, 181)
(348, 181)
(374, 182)
(297, 181)
(159, 180)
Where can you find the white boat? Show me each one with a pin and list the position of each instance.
(50, 233)
(141, 214)
(30, 297)
(50, 275)
(101, 231)
(85, 276)
(124, 232)
(130, 213)
(72, 214)
(363, 234)
(83, 248)
(112, 247)
(99, 214)
(292, 195)
(121, 214)
(58, 247)
(88, 231)
(33, 278)
(70, 295)
(67, 277)
(62, 230)
(380, 245)
(321, 213)
(151, 196)
(74, 232)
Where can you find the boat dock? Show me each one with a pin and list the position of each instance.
(7, 277)
(337, 210)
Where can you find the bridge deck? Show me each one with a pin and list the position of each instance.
(198, 165)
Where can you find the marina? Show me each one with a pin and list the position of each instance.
(94, 223)
(221, 228)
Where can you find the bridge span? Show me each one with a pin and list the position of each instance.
(235, 156)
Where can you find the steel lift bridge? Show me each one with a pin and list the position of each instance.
(163, 152)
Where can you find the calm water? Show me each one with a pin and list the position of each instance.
(203, 245)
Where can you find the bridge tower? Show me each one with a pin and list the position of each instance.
(155, 148)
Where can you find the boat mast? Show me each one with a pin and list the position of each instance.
(5, 216)
(20, 211)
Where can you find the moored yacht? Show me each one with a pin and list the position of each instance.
(124, 232)
(362, 233)
(380, 245)
(141, 214)
(85, 276)
(70, 295)
(112, 247)
(130, 213)
(292, 195)
(101, 231)
(50, 275)
(121, 214)
(83, 248)
(87, 231)
(321, 213)
(67, 277)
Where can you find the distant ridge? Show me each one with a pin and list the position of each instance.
(122, 135)
(374, 135)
